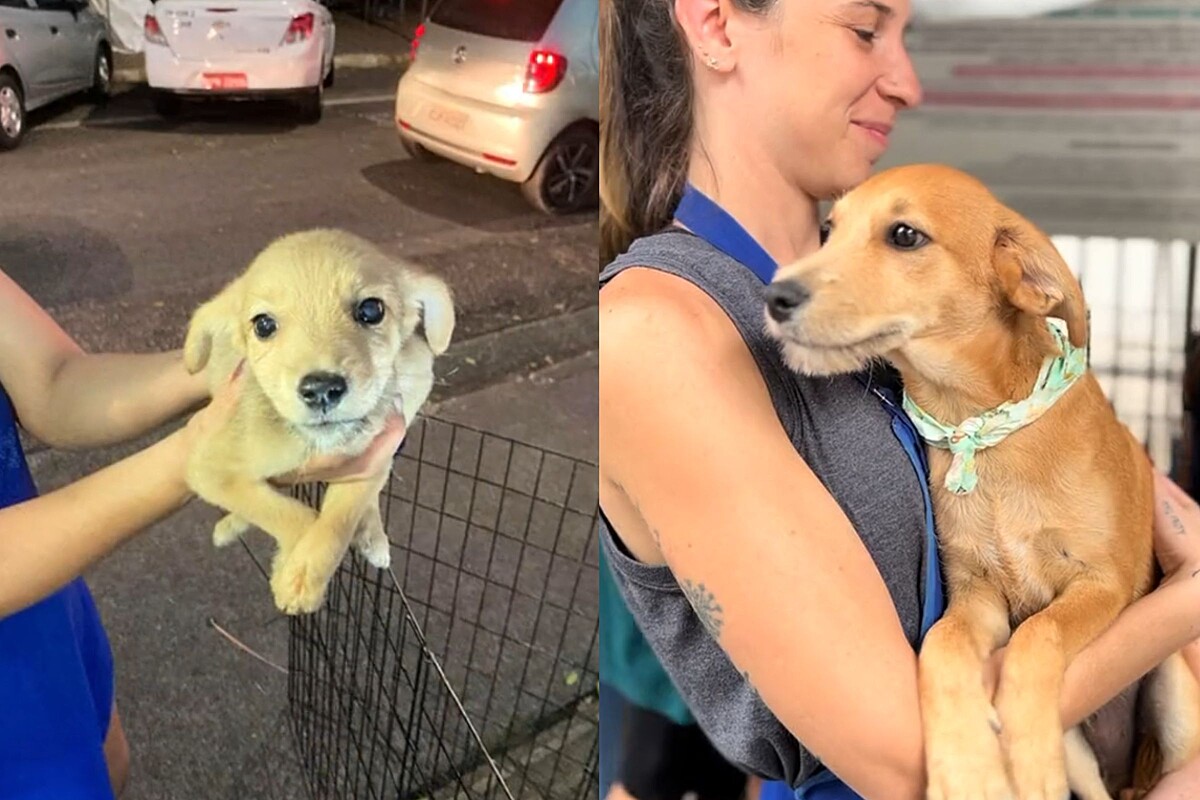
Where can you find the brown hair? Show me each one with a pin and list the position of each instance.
(645, 117)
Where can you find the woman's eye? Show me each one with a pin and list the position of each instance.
(866, 35)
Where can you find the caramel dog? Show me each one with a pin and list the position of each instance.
(1044, 506)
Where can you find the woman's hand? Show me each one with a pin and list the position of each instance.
(219, 410)
(1176, 529)
(376, 459)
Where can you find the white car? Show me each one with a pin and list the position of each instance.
(511, 89)
(241, 49)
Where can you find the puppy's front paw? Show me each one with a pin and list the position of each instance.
(372, 542)
(1033, 740)
(300, 580)
(962, 751)
(229, 529)
(377, 552)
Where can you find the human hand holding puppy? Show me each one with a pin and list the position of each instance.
(370, 463)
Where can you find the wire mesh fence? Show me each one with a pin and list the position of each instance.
(470, 668)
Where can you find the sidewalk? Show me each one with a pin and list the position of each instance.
(358, 45)
(205, 718)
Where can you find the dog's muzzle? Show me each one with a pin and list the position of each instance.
(784, 298)
(321, 391)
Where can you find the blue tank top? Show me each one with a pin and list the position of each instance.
(56, 674)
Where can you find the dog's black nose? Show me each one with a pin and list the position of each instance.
(321, 391)
(785, 297)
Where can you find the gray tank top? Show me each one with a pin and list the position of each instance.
(844, 433)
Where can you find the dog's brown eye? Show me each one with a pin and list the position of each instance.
(906, 237)
(369, 311)
(264, 326)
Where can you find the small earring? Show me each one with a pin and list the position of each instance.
(711, 61)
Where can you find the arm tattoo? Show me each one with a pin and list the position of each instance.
(706, 606)
(1173, 518)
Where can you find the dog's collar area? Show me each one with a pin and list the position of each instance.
(1058, 374)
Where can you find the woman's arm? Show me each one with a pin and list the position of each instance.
(68, 398)
(48, 541)
(96, 400)
(1140, 639)
(697, 473)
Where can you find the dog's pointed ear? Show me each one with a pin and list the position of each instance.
(432, 297)
(214, 318)
(1036, 279)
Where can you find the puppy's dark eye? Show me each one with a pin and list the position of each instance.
(369, 311)
(826, 227)
(903, 236)
(264, 326)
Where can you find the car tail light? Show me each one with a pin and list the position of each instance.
(544, 71)
(299, 29)
(152, 31)
(416, 42)
(508, 162)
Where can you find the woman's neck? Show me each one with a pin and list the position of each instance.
(779, 216)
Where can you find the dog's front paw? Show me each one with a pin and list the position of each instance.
(298, 589)
(301, 577)
(372, 542)
(963, 757)
(229, 529)
(1033, 741)
(377, 552)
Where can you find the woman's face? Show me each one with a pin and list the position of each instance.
(821, 83)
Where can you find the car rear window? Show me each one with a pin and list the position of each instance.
(522, 20)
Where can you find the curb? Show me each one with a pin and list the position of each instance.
(342, 61)
(483, 360)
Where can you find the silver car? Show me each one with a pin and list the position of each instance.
(511, 88)
(49, 49)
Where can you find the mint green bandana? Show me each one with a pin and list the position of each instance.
(1058, 374)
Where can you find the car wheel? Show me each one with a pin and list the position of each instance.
(12, 112)
(311, 106)
(567, 179)
(167, 104)
(102, 75)
(416, 151)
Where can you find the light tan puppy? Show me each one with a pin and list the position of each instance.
(923, 266)
(328, 328)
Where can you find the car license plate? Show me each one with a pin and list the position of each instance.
(448, 117)
(225, 80)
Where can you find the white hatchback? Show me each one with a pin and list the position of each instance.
(511, 88)
(239, 49)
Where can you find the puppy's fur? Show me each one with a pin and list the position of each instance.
(1056, 539)
(312, 285)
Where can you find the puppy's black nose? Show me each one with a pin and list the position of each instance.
(321, 391)
(784, 298)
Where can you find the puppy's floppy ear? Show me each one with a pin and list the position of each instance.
(216, 317)
(431, 296)
(1036, 279)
